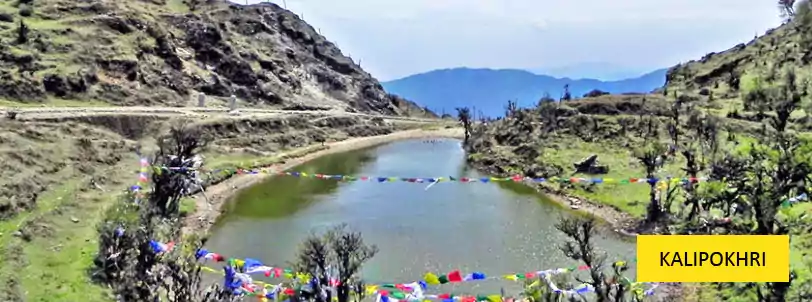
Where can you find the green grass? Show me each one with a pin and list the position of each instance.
(53, 265)
(177, 6)
(55, 102)
(187, 206)
(631, 198)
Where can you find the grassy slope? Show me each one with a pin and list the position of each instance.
(563, 150)
(778, 47)
(713, 73)
(51, 263)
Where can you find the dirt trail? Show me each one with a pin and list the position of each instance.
(56, 112)
(206, 213)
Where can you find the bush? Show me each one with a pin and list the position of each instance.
(26, 11)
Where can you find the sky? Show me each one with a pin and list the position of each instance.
(396, 38)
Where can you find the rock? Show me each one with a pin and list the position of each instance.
(74, 219)
(17, 234)
(55, 84)
(590, 165)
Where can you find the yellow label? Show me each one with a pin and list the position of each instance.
(712, 258)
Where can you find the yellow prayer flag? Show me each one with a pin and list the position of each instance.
(676, 180)
(431, 279)
(662, 185)
(495, 298)
(609, 180)
(392, 179)
(371, 289)
(239, 262)
(303, 174)
(511, 277)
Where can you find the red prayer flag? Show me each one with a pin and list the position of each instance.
(454, 276)
(444, 296)
(583, 267)
(529, 275)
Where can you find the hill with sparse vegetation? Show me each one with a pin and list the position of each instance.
(166, 52)
(739, 117)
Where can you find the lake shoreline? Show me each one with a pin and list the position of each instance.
(622, 223)
(209, 207)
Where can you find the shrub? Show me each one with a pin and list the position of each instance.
(26, 11)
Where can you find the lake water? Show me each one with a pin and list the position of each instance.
(493, 228)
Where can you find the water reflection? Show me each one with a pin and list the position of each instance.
(283, 196)
(495, 228)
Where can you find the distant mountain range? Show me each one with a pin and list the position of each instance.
(489, 89)
(591, 70)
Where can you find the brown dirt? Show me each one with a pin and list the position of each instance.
(621, 222)
(206, 212)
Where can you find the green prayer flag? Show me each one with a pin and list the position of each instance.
(443, 279)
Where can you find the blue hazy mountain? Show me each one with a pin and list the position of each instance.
(590, 70)
(489, 89)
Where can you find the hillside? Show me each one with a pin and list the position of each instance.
(63, 168)
(165, 52)
(724, 77)
(488, 90)
(700, 115)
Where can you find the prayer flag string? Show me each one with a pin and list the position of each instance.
(385, 179)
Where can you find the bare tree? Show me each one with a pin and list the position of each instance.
(127, 259)
(510, 108)
(581, 231)
(464, 116)
(338, 254)
(787, 8)
(650, 156)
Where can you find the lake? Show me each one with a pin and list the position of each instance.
(493, 228)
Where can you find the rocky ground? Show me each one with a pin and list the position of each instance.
(166, 52)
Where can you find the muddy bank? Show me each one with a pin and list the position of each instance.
(208, 205)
